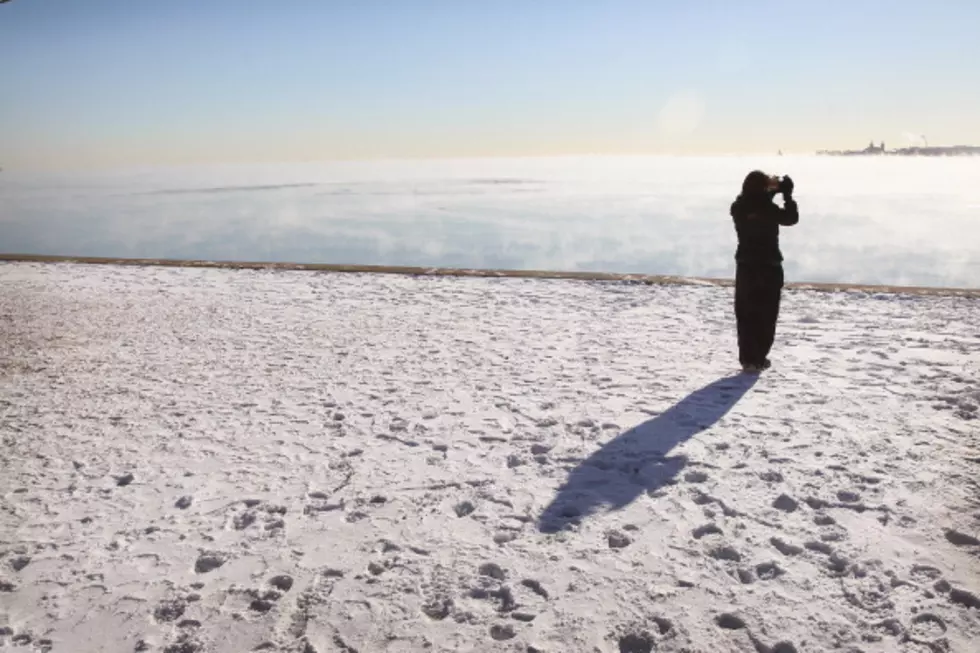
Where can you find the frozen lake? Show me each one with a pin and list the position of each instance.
(863, 220)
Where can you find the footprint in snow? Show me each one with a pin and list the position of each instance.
(492, 570)
(696, 477)
(926, 628)
(208, 562)
(725, 553)
(785, 503)
(786, 548)
(959, 538)
(768, 571)
(618, 540)
(170, 610)
(536, 587)
(707, 529)
(730, 621)
(18, 563)
(640, 642)
(965, 598)
(502, 632)
(848, 496)
(643, 639)
(819, 547)
(925, 574)
(282, 582)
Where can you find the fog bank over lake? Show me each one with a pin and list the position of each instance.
(906, 221)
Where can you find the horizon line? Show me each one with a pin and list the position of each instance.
(105, 167)
(475, 156)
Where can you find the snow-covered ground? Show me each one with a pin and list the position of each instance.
(230, 461)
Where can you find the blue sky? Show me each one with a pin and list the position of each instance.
(131, 82)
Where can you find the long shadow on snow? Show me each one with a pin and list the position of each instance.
(637, 460)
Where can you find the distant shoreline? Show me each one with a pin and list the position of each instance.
(952, 150)
(649, 279)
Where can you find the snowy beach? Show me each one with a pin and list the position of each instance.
(222, 461)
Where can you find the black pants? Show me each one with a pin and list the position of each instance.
(758, 287)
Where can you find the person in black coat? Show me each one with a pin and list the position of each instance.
(759, 264)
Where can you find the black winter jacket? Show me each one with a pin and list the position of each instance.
(757, 219)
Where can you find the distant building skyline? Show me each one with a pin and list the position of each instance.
(121, 83)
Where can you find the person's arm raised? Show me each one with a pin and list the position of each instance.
(789, 214)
